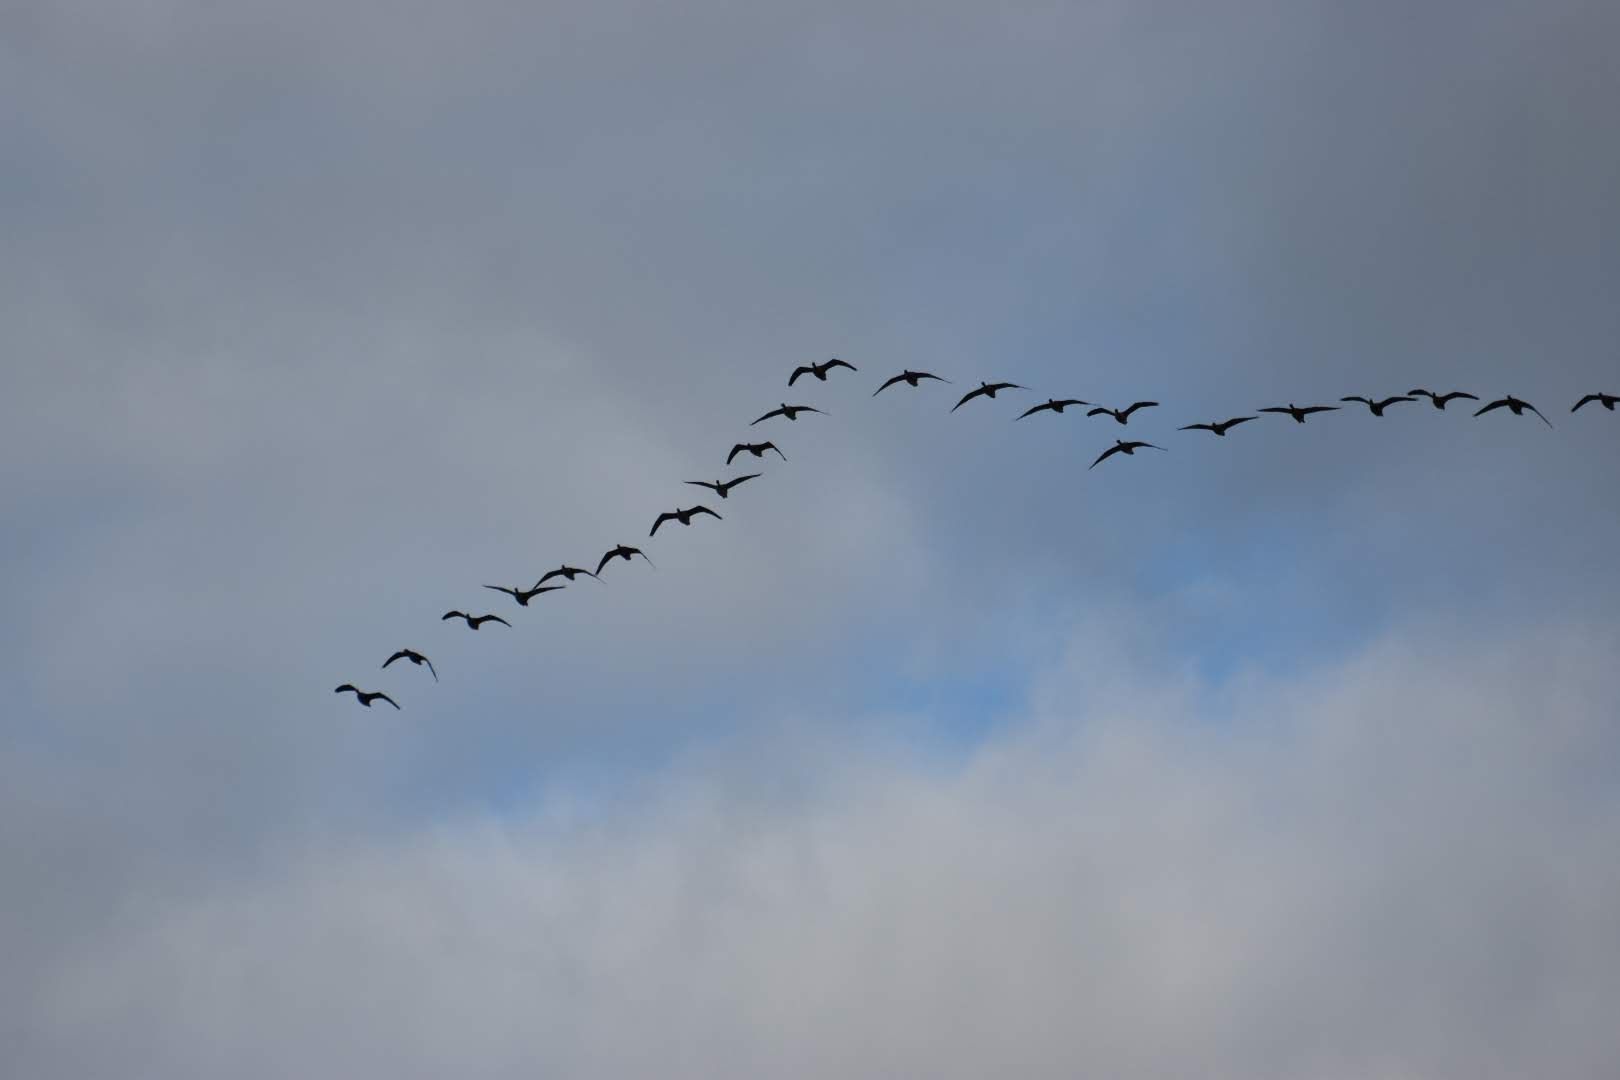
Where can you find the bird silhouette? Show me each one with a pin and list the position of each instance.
(474, 621)
(1220, 427)
(757, 449)
(723, 488)
(790, 412)
(1052, 404)
(910, 378)
(1605, 400)
(1121, 448)
(565, 571)
(1299, 413)
(989, 390)
(1377, 407)
(1516, 405)
(1122, 415)
(818, 370)
(523, 596)
(1439, 400)
(414, 657)
(682, 516)
(365, 698)
(625, 553)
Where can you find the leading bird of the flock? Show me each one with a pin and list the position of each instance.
(1517, 405)
(1219, 427)
(365, 698)
(683, 516)
(756, 448)
(414, 657)
(566, 572)
(523, 596)
(819, 370)
(1439, 400)
(1127, 448)
(1056, 405)
(474, 621)
(1605, 400)
(910, 378)
(1122, 416)
(986, 389)
(1377, 407)
(723, 488)
(625, 552)
(790, 412)
(1300, 412)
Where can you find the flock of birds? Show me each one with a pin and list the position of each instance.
(988, 390)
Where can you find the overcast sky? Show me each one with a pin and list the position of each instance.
(1294, 753)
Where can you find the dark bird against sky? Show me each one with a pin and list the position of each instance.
(1056, 405)
(626, 553)
(365, 698)
(1299, 413)
(1377, 407)
(523, 596)
(682, 516)
(1127, 448)
(910, 378)
(414, 657)
(474, 621)
(1219, 427)
(1122, 415)
(789, 412)
(818, 370)
(565, 571)
(1439, 400)
(723, 488)
(1605, 400)
(757, 449)
(985, 389)
(1516, 405)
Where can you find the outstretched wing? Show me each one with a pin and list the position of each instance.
(397, 656)
(502, 588)
(497, 618)
(969, 396)
(800, 370)
(666, 516)
(735, 450)
(1583, 401)
(1454, 395)
(1357, 397)
(1537, 411)
(840, 363)
(1277, 409)
(705, 510)
(1105, 455)
(1099, 411)
(606, 559)
(729, 484)
(1501, 404)
(430, 667)
(385, 697)
(767, 416)
(1033, 410)
(1198, 427)
(1307, 410)
(772, 446)
(705, 483)
(1139, 405)
(454, 615)
(347, 686)
(888, 383)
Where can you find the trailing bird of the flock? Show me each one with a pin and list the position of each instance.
(1376, 407)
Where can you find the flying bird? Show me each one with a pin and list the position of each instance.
(564, 571)
(910, 378)
(757, 449)
(1299, 413)
(523, 596)
(1220, 427)
(989, 390)
(1439, 400)
(723, 488)
(790, 412)
(1122, 415)
(1516, 405)
(818, 370)
(1121, 448)
(1605, 400)
(474, 621)
(625, 553)
(414, 657)
(683, 516)
(1377, 407)
(1053, 404)
(365, 698)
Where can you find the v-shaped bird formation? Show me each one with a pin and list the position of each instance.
(722, 489)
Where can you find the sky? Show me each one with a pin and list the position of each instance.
(1289, 754)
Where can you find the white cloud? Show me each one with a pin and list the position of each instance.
(1401, 865)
